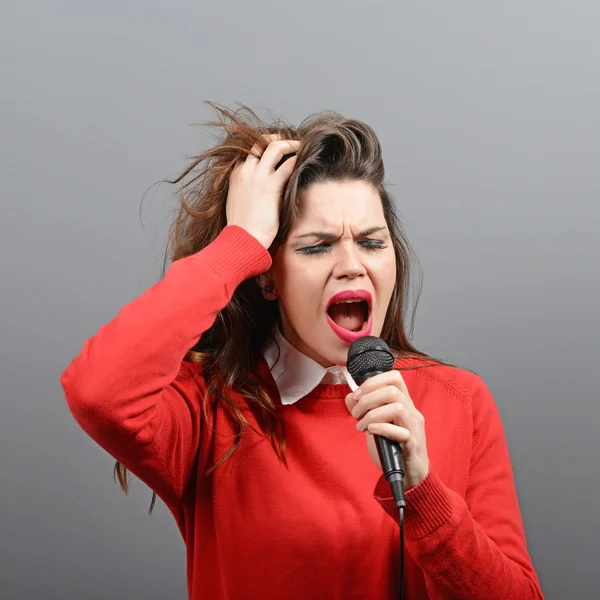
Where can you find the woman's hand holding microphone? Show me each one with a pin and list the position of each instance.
(382, 406)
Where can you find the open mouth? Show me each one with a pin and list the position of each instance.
(349, 314)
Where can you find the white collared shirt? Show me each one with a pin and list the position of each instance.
(296, 374)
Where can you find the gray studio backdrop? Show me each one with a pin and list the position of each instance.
(489, 118)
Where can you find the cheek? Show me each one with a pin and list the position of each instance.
(300, 289)
(385, 280)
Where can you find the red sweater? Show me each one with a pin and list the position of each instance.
(325, 528)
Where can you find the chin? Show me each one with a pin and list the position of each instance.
(336, 352)
(340, 358)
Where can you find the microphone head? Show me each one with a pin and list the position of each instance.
(367, 355)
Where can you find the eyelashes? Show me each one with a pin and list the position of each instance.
(324, 248)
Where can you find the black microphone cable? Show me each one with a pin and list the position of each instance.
(401, 578)
(369, 356)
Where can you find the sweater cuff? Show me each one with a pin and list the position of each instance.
(428, 505)
(235, 255)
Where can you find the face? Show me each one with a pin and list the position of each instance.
(336, 272)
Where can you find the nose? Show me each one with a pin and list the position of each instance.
(349, 263)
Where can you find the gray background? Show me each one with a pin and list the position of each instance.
(488, 115)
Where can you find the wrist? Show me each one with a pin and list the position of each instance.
(265, 240)
(412, 482)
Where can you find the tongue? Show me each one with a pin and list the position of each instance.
(349, 316)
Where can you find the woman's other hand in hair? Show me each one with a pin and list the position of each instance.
(256, 188)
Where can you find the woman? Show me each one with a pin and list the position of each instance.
(223, 388)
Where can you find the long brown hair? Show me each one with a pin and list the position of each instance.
(333, 148)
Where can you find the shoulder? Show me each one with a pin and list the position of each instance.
(190, 381)
(455, 382)
(192, 367)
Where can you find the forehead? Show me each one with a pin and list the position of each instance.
(333, 203)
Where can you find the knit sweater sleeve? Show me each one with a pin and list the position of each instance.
(472, 548)
(130, 388)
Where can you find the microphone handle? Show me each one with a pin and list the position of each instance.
(390, 456)
(393, 467)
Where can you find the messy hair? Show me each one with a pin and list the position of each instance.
(333, 148)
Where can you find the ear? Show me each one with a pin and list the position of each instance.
(263, 279)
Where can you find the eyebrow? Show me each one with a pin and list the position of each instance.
(328, 236)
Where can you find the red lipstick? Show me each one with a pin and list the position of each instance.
(344, 334)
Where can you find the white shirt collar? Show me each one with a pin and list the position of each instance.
(296, 374)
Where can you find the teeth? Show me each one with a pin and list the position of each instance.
(347, 301)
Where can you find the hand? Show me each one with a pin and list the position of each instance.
(256, 189)
(382, 406)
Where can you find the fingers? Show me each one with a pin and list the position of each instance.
(256, 152)
(285, 170)
(381, 389)
(380, 397)
(276, 150)
(396, 434)
(389, 378)
(273, 153)
(395, 413)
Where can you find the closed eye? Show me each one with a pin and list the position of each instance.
(372, 244)
(323, 248)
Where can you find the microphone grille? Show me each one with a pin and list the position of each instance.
(367, 354)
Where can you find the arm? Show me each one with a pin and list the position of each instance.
(130, 388)
(472, 548)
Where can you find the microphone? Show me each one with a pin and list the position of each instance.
(369, 356)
